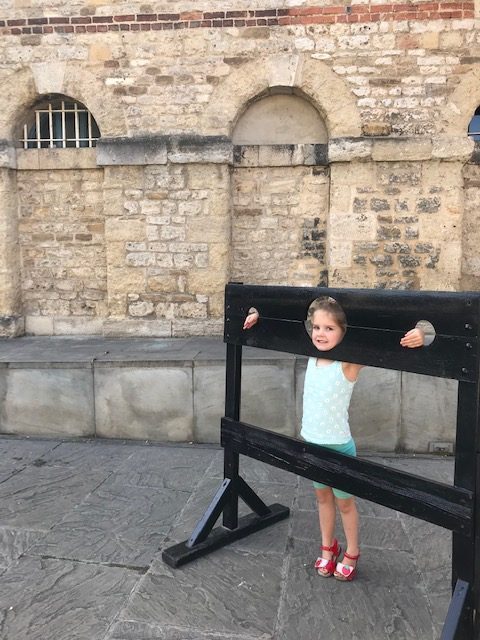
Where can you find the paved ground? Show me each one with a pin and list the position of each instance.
(82, 524)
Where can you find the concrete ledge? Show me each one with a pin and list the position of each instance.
(173, 390)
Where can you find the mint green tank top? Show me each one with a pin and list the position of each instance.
(326, 399)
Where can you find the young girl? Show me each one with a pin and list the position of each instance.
(326, 398)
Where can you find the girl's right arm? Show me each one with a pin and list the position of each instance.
(251, 319)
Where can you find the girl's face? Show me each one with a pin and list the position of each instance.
(326, 333)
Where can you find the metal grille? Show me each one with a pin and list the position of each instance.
(60, 124)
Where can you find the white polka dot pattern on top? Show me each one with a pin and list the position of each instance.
(326, 398)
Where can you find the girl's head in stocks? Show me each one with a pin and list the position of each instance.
(327, 323)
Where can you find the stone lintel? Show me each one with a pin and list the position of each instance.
(51, 159)
(280, 155)
(7, 155)
(389, 149)
(163, 149)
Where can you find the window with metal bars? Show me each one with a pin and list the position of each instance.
(59, 123)
(474, 126)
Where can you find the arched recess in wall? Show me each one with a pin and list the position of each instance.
(60, 217)
(314, 78)
(280, 187)
(453, 127)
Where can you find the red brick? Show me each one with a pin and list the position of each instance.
(101, 19)
(265, 13)
(191, 15)
(37, 21)
(59, 21)
(82, 20)
(209, 15)
(146, 17)
(16, 23)
(333, 10)
(129, 18)
(304, 11)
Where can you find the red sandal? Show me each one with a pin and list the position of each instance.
(325, 567)
(346, 572)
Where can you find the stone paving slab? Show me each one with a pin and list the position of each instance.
(81, 523)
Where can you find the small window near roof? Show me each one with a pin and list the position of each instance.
(474, 126)
(59, 123)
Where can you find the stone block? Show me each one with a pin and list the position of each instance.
(49, 402)
(268, 397)
(208, 400)
(7, 155)
(349, 149)
(134, 327)
(419, 425)
(39, 325)
(395, 149)
(131, 151)
(145, 403)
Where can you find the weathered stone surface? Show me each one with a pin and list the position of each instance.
(93, 499)
(47, 402)
(436, 424)
(94, 592)
(129, 402)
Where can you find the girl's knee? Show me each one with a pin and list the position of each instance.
(324, 496)
(346, 505)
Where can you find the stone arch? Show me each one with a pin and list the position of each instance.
(462, 104)
(310, 76)
(68, 79)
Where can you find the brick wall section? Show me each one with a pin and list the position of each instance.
(61, 233)
(397, 225)
(241, 18)
(167, 238)
(279, 218)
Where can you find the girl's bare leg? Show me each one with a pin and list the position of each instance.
(349, 514)
(326, 516)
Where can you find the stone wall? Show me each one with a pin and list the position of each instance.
(62, 249)
(279, 225)
(187, 188)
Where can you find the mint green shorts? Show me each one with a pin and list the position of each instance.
(349, 449)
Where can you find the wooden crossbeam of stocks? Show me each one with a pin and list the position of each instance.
(376, 322)
(447, 506)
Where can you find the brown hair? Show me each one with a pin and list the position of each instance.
(331, 306)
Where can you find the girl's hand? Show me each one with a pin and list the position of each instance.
(413, 338)
(251, 319)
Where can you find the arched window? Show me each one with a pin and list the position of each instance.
(59, 122)
(474, 126)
